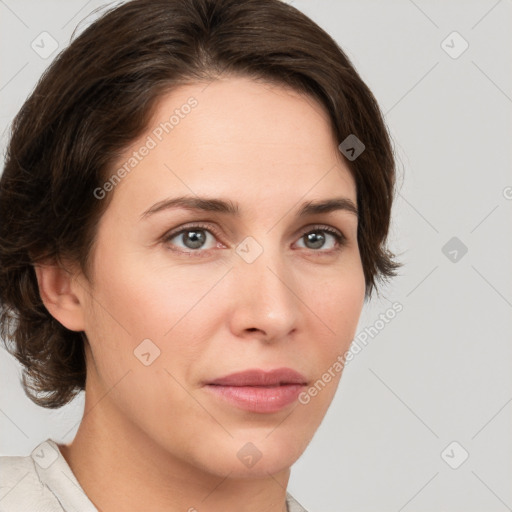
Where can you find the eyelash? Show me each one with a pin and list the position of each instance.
(338, 235)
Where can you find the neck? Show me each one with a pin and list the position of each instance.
(121, 468)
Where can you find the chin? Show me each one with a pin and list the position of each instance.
(258, 456)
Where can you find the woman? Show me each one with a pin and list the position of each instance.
(194, 208)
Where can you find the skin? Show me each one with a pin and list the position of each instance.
(152, 438)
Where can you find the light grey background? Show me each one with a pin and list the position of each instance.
(440, 371)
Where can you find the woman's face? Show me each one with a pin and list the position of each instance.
(169, 313)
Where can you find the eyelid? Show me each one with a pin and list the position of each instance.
(190, 227)
(337, 233)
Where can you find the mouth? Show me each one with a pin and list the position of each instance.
(258, 390)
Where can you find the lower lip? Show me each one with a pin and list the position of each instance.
(259, 399)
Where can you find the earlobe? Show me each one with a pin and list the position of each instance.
(58, 295)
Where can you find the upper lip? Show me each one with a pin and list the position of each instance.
(256, 377)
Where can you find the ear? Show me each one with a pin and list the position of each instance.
(59, 295)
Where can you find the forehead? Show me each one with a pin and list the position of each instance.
(260, 142)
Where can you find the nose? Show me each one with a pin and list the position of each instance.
(266, 299)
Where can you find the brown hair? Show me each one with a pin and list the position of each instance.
(98, 96)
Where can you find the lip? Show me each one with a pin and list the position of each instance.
(258, 390)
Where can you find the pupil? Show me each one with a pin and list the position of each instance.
(194, 239)
(316, 240)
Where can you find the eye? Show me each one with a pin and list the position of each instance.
(198, 239)
(194, 239)
(317, 237)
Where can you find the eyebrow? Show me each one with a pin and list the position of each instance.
(230, 208)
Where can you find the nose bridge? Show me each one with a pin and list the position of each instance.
(265, 286)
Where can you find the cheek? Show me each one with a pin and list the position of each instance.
(338, 299)
(338, 305)
(136, 299)
(176, 305)
(143, 299)
(182, 308)
(345, 304)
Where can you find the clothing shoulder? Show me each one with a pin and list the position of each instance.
(41, 481)
(44, 482)
(21, 488)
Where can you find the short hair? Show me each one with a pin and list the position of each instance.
(99, 95)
